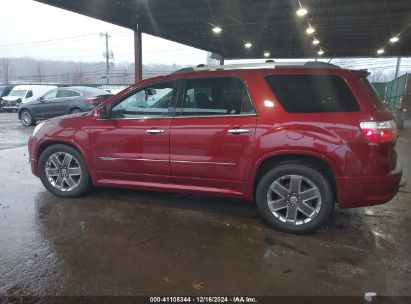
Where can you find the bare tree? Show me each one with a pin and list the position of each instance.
(78, 76)
(6, 70)
(38, 72)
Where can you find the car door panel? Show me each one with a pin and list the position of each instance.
(123, 149)
(134, 144)
(204, 153)
(43, 108)
(212, 150)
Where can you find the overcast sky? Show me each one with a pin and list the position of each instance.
(29, 28)
(26, 24)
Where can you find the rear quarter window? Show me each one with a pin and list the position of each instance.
(313, 93)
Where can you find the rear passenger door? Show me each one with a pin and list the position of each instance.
(212, 133)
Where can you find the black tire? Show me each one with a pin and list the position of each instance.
(318, 183)
(75, 111)
(83, 181)
(27, 118)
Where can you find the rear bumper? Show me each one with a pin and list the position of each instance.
(368, 191)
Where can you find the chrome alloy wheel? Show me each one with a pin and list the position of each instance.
(25, 118)
(294, 199)
(63, 171)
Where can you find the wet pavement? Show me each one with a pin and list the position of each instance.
(125, 242)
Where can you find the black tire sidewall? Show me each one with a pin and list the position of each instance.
(318, 178)
(85, 180)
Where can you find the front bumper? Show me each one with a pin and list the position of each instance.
(32, 157)
(368, 191)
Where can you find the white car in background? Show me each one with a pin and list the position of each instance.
(22, 94)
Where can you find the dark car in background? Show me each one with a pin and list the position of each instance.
(4, 91)
(61, 101)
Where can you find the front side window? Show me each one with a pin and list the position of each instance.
(216, 96)
(152, 101)
(50, 95)
(313, 93)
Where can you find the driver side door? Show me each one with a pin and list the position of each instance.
(132, 145)
(43, 107)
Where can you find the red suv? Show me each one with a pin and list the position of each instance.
(294, 138)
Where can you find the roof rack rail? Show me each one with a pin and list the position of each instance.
(269, 65)
(183, 70)
(266, 65)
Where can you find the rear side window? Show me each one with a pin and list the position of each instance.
(216, 96)
(67, 93)
(313, 93)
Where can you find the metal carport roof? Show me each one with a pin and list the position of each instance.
(345, 28)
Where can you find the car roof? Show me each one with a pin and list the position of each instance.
(87, 90)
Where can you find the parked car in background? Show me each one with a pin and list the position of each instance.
(4, 91)
(61, 101)
(295, 138)
(22, 94)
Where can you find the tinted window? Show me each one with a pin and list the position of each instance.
(67, 93)
(216, 96)
(313, 93)
(50, 95)
(149, 101)
(4, 91)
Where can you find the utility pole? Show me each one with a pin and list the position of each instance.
(397, 69)
(107, 55)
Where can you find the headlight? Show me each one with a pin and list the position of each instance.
(37, 128)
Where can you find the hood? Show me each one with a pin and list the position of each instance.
(11, 98)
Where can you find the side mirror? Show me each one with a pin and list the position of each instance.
(102, 113)
(151, 92)
(41, 99)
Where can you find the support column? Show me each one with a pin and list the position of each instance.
(138, 56)
(397, 68)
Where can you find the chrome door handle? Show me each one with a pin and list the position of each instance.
(155, 131)
(238, 131)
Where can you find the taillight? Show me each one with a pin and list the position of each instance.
(379, 131)
(91, 100)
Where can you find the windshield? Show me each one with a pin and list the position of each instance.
(18, 93)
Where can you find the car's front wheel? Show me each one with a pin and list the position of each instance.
(75, 111)
(295, 198)
(26, 118)
(63, 171)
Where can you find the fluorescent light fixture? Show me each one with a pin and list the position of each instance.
(248, 45)
(217, 29)
(316, 42)
(380, 51)
(267, 54)
(320, 52)
(301, 12)
(394, 39)
(310, 30)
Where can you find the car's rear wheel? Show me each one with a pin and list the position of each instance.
(75, 111)
(295, 198)
(26, 118)
(63, 171)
